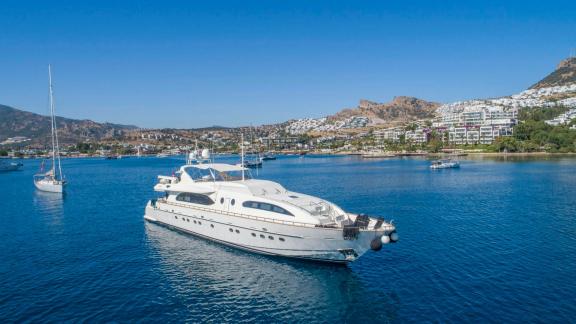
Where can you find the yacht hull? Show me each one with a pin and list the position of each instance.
(310, 243)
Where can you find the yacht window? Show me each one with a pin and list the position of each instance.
(199, 223)
(231, 230)
(237, 231)
(194, 198)
(253, 234)
(235, 175)
(281, 239)
(233, 202)
(212, 225)
(266, 206)
(271, 237)
(262, 236)
(221, 200)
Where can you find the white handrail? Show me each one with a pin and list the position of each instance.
(270, 220)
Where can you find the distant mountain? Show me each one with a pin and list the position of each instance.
(15, 122)
(564, 74)
(400, 109)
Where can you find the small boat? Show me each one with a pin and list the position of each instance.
(53, 180)
(111, 157)
(445, 164)
(253, 164)
(9, 166)
(268, 157)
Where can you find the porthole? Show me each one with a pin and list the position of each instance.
(221, 200)
(281, 239)
(264, 229)
(188, 219)
(237, 232)
(262, 236)
(176, 217)
(231, 230)
(233, 202)
(212, 225)
(199, 223)
(253, 234)
(271, 237)
(194, 222)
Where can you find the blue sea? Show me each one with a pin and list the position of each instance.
(494, 241)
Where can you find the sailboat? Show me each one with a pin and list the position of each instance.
(53, 180)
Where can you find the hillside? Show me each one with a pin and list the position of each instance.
(564, 74)
(400, 109)
(15, 122)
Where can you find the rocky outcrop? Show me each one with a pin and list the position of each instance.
(564, 74)
(400, 109)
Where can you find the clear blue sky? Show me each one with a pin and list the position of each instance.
(200, 63)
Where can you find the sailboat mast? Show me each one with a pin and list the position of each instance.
(55, 144)
(52, 119)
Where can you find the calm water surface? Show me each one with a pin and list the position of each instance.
(494, 241)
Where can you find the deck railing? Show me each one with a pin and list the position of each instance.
(229, 213)
(386, 227)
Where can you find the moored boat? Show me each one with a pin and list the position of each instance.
(445, 164)
(253, 163)
(223, 203)
(268, 157)
(6, 165)
(53, 180)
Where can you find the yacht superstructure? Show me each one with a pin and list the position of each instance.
(221, 202)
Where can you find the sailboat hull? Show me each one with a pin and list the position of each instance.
(49, 186)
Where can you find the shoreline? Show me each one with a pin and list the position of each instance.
(519, 154)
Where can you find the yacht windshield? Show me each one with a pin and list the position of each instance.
(235, 175)
(210, 174)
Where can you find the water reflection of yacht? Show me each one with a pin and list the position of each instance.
(221, 202)
(50, 205)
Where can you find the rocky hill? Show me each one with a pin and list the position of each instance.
(400, 109)
(15, 122)
(564, 74)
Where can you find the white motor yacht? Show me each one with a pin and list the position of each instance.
(222, 203)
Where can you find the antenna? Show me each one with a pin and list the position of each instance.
(242, 153)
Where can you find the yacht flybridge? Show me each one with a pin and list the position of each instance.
(222, 203)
